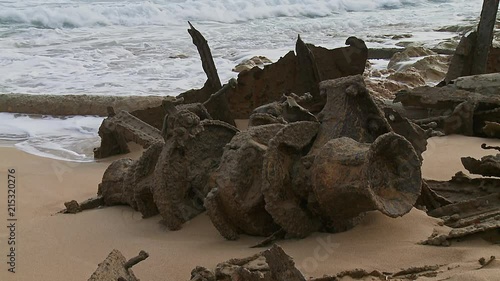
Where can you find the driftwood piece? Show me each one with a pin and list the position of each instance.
(207, 60)
(485, 31)
(116, 267)
(488, 165)
(117, 130)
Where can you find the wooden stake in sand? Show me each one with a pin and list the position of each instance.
(484, 36)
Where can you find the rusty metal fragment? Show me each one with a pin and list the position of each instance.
(298, 162)
(411, 131)
(349, 112)
(258, 86)
(128, 182)
(189, 156)
(286, 183)
(236, 204)
(73, 207)
(270, 265)
(116, 267)
(489, 165)
(286, 110)
(469, 212)
(451, 110)
(306, 63)
(170, 178)
(474, 209)
(206, 57)
(117, 130)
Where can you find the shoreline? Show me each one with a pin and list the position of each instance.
(51, 243)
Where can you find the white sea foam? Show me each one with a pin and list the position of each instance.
(163, 12)
(69, 138)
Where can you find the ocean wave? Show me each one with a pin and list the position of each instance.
(167, 12)
(69, 138)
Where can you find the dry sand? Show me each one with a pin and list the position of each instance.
(65, 247)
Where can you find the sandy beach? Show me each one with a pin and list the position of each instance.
(56, 247)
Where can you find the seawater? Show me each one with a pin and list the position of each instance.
(112, 47)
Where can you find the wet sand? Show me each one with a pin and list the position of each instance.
(65, 247)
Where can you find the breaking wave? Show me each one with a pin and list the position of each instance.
(166, 12)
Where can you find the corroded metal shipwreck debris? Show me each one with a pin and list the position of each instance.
(275, 265)
(272, 264)
(170, 178)
(116, 267)
(298, 176)
(118, 129)
(306, 173)
(474, 206)
(316, 161)
(294, 73)
(453, 111)
(488, 165)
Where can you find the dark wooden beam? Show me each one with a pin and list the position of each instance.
(484, 36)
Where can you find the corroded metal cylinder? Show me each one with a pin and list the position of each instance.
(350, 178)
